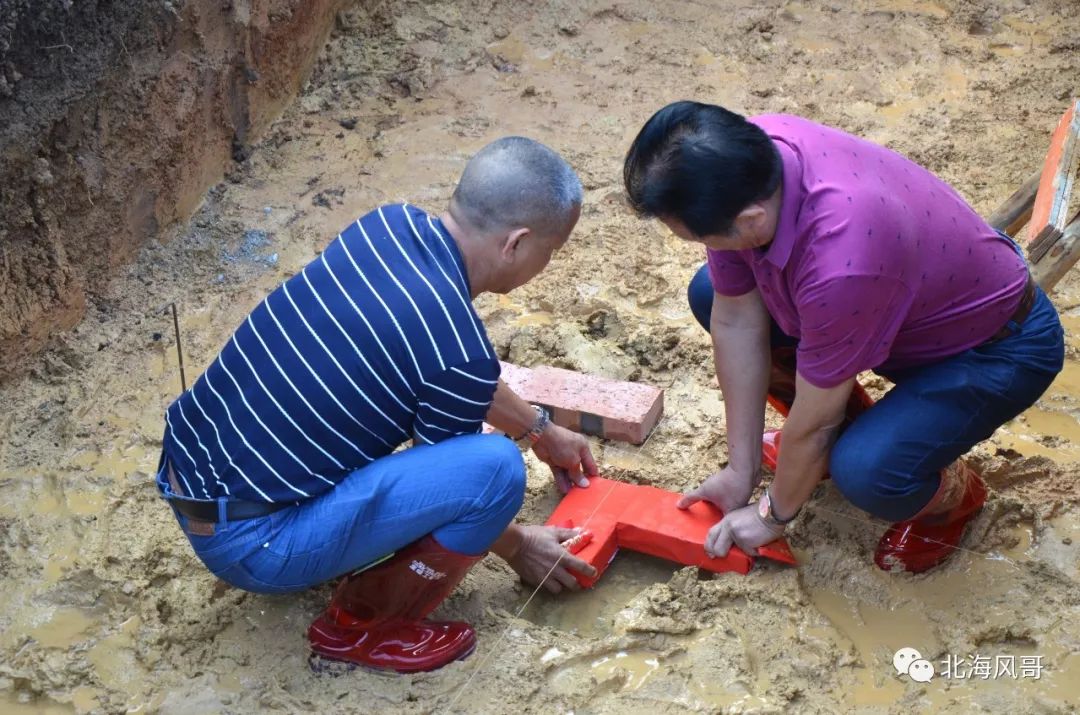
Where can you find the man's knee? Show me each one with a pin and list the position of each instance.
(507, 468)
(860, 472)
(700, 296)
(866, 473)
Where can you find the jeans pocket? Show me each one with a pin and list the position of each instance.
(239, 577)
(227, 547)
(267, 572)
(297, 533)
(270, 571)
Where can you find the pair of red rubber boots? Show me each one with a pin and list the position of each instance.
(376, 617)
(917, 544)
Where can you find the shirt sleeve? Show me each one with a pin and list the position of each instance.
(455, 401)
(848, 324)
(730, 273)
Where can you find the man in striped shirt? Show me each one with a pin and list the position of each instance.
(280, 461)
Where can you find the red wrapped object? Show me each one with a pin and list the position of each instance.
(645, 519)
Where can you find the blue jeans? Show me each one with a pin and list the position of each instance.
(888, 461)
(464, 491)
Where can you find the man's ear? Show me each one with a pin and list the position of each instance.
(512, 242)
(751, 220)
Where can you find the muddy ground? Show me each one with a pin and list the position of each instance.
(106, 609)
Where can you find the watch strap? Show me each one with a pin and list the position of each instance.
(540, 423)
(765, 510)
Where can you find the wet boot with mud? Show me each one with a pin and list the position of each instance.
(781, 396)
(932, 535)
(376, 616)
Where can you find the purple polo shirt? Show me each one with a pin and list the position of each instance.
(876, 263)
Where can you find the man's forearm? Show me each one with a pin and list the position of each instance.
(508, 543)
(742, 370)
(509, 413)
(803, 462)
(809, 433)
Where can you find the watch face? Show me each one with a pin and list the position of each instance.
(763, 507)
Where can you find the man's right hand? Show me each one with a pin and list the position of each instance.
(726, 489)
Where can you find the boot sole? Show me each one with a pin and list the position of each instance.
(332, 667)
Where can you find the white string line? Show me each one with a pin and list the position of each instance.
(849, 517)
(563, 552)
(638, 450)
(815, 507)
(509, 626)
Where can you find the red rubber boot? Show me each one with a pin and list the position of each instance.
(858, 403)
(932, 535)
(375, 618)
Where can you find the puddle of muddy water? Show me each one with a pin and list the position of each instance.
(11, 705)
(591, 613)
(914, 7)
(876, 632)
(639, 665)
(66, 627)
(1051, 428)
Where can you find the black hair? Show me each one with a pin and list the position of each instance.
(700, 164)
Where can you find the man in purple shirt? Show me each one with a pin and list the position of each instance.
(827, 256)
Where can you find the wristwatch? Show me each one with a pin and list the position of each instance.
(765, 511)
(543, 419)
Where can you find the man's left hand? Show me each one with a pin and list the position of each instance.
(568, 455)
(742, 527)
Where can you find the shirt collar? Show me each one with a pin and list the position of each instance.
(455, 253)
(779, 250)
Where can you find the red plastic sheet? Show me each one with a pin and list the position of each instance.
(645, 519)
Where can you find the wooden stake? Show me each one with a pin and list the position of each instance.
(179, 351)
(1011, 216)
(1053, 266)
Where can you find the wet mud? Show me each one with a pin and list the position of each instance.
(107, 610)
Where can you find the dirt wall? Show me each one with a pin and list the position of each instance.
(115, 117)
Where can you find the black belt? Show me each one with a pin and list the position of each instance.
(1027, 301)
(234, 510)
(208, 510)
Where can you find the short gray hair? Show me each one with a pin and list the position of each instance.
(517, 182)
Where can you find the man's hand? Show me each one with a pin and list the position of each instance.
(540, 549)
(743, 527)
(568, 455)
(726, 489)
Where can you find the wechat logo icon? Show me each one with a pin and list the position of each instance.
(910, 662)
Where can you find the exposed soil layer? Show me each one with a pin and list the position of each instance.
(106, 608)
(115, 118)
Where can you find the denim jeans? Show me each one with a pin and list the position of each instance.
(888, 461)
(464, 491)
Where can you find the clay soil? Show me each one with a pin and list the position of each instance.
(105, 607)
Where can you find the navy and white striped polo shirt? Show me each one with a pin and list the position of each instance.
(373, 343)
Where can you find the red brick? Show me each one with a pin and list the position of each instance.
(645, 519)
(625, 411)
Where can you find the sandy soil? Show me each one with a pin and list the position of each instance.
(108, 611)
